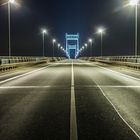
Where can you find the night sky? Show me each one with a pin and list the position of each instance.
(71, 16)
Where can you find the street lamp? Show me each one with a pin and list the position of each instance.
(101, 32)
(135, 3)
(90, 41)
(44, 31)
(53, 41)
(59, 49)
(9, 23)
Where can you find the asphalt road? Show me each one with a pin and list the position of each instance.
(70, 100)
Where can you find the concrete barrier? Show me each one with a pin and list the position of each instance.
(9, 63)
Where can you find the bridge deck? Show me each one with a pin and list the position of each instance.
(70, 100)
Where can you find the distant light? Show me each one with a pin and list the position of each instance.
(54, 40)
(100, 30)
(90, 40)
(133, 2)
(86, 45)
(12, 1)
(44, 31)
(59, 45)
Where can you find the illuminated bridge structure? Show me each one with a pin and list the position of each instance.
(72, 43)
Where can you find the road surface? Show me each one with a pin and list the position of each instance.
(70, 100)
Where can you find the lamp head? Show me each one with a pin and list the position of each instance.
(90, 40)
(12, 1)
(133, 2)
(44, 31)
(54, 40)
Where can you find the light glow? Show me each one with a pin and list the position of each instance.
(90, 40)
(54, 40)
(100, 30)
(44, 31)
(133, 2)
(12, 1)
(86, 45)
(58, 45)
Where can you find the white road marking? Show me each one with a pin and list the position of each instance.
(118, 111)
(32, 87)
(125, 75)
(22, 75)
(58, 86)
(73, 119)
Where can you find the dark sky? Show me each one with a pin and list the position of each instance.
(71, 16)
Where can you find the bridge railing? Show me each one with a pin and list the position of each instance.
(18, 59)
(130, 61)
(8, 63)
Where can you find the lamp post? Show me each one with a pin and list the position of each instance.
(53, 41)
(101, 31)
(9, 23)
(58, 45)
(86, 45)
(90, 41)
(135, 3)
(44, 31)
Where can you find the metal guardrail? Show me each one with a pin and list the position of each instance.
(129, 61)
(8, 63)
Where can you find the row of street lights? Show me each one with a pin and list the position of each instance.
(54, 42)
(101, 31)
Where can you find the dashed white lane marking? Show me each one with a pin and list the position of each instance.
(118, 111)
(73, 119)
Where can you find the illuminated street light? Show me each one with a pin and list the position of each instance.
(135, 3)
(44, 31)
(90, 40)
(59, 45)
(12, 1)
(101, 31)
(9, 3)
(86, 45)
(53, 41)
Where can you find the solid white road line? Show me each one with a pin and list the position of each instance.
(22, 75)
(73, 119)
(125, 75)
(118, 111)
(58, 86)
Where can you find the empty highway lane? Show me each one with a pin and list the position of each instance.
(70, 100)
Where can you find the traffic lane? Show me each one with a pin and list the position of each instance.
(96, 118)
(92, 72)
(19, 71)
(26, 69)
(36, 112)
(127, 102)
(44, 77)
(121, 69)
(121, 90)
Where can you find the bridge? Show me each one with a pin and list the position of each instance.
(59, 98)
(71, 80)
